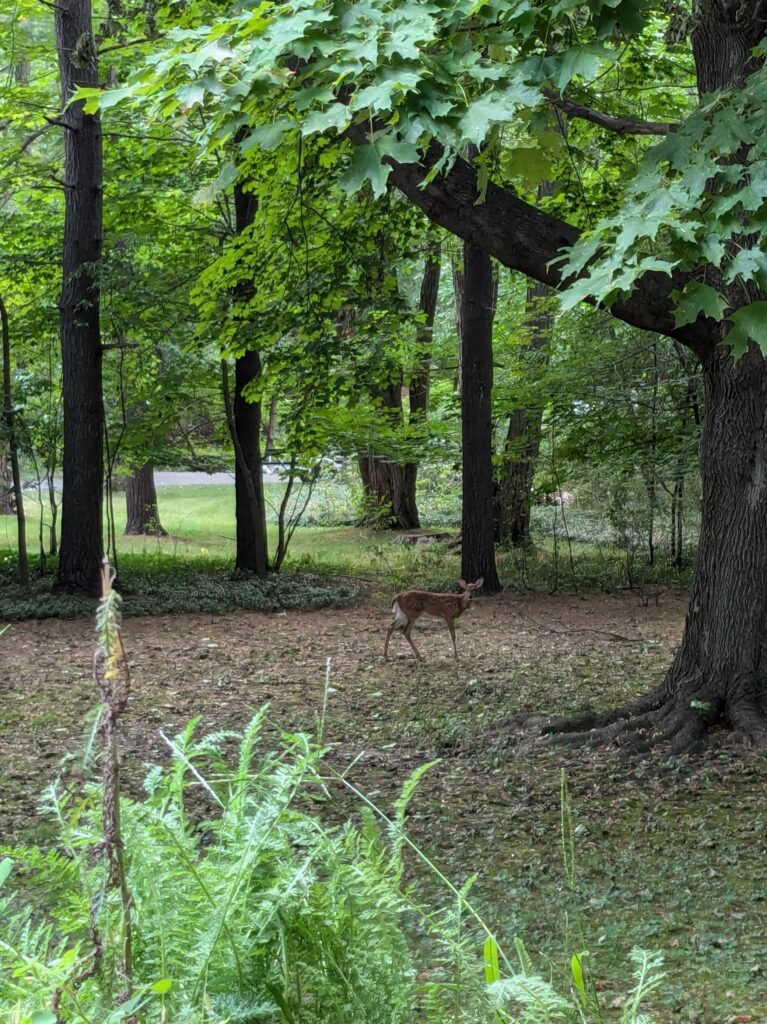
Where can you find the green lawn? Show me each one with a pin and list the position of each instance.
(200, 522)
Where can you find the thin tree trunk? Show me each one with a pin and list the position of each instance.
(13, 447)
(81, 518)
(244, 419)
(252, 555)
(141, 501)
(419, 381)
(679, 509)
(523, 438)
(271, 428)
(476, 306)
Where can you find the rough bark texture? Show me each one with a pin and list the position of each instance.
(81, 518)
(143, 515)
(245, 425)
(523, 438)
(719, 676)
(419, 381)
(476, 304)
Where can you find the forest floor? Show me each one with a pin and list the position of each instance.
(669, 855)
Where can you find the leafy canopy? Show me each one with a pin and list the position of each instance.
(473, 73)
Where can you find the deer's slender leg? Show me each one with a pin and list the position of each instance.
(406, 632)
(451, 627)
(389, 632)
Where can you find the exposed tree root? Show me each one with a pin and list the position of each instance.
(679, 718)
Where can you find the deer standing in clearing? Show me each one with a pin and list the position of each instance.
(412, 604)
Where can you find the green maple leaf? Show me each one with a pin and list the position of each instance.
(748, 324)
(365, 166)
(697, 299)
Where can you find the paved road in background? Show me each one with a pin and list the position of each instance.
(167, 479)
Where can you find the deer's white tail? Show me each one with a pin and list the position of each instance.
(400, 617)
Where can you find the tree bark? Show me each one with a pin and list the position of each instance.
(245, 427)
(523, 439)
(383, 480)
(250, 509)
(13, 447)
(141, 502)
(420, 378)
(718, 679)
(476, 305)
(81, 518)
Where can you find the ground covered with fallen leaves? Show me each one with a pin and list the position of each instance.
(669, 855)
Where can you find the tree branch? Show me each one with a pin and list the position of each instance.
(619, 125)
(129, 42)
(527, 239)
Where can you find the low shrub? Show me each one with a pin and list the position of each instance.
(164, 586)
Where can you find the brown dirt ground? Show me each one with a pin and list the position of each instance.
(225, 667)
(485, 807)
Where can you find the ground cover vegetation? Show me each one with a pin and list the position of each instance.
(450, 290)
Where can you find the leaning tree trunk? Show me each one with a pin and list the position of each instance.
(141, 503)
(419, 381)
(245, 427)
(82, 543)
(523, 439)
(719, 676)
(476, 310)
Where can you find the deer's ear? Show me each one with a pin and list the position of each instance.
(463, 584)
(479, 583)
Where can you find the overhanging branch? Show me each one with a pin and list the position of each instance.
(524, 238)
(618, 125)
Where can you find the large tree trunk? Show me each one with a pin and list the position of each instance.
(245, 427)
(81, 518)
(476, 305)
(141, 501)
(419, 381)
(523, 439)
(719, 676)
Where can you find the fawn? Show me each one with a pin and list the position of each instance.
(411, 604)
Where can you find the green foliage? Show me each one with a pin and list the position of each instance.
(165, 587)
(257, 910)
(699, 197)
(244, 905)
